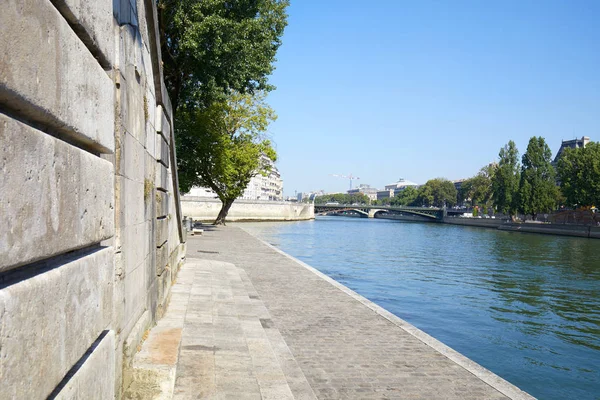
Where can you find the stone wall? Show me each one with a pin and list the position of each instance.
(91, 236)
(205, 209)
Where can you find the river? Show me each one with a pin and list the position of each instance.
(525, 306)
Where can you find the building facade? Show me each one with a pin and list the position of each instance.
(268, 187)
(367, 190)
(570, 144)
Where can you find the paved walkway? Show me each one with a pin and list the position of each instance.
(261, 325)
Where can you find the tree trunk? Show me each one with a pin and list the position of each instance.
(224, 211)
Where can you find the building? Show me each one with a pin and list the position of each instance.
(400, 186)
(269, 187)
(570, 144)
(367, 190)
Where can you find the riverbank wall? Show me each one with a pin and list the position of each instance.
(591, 232)
(91, 238)
(206, 210)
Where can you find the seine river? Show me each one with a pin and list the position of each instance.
(525, 306)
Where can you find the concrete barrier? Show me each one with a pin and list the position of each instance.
(204, 209)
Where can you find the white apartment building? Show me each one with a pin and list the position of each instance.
(268, 187)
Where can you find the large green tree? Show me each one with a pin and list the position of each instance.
(226, 147)
(579, 174)
(211, 47)
(505, 182)
(478, 189)
(406, 197)
(538, 192)
(437, 192)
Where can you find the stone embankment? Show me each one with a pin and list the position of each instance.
(591, 232)
(206, 210)
(248, 321)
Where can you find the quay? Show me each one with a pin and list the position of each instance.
(247, 321)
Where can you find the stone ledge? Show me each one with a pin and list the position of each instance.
(50, 77)
(56, 197)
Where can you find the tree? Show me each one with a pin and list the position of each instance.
(537, 188)
(579, 174)
(437, 192)
(505, 182)
(212, 47)
(406, 197)
(225, 147)
(479, 188)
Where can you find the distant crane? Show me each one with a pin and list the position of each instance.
(350, 177)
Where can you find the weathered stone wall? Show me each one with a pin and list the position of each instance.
(204, 209)
(91, 235)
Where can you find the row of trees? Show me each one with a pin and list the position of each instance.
(533, 185)
(343, 198)
(217, 57)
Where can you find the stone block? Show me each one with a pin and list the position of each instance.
(131, 160)
(161, 180)
(93, 23)
(161, 230)
(49, 76)
(55, 197)
(164, 285)
(162, 150)
(162, 258)
(161, 204)
(135, 295)
(162, 125)
(136, 245)
(48, 322)
(95, 378)
(130, 199)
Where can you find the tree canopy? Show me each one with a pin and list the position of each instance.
(537, 189)
(478, 189)
(211, 47)
(225, 146)
(437, 192)
(579, 174)
(343, 198)
(505, 182)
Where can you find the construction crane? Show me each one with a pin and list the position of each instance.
(350, 177)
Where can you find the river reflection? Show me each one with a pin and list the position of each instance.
(525, 306)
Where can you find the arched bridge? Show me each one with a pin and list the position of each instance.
(435, 214)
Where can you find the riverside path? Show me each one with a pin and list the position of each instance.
(251, 322)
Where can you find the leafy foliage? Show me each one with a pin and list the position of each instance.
(579, 173)
(406, 197)
(537, 189)
(225, 146)
(505, 182)
(343, 198)
(478, 189)
(437, 192)
(212, 47)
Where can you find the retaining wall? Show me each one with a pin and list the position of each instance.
(548, 229)
(91, 235)
(204, 209)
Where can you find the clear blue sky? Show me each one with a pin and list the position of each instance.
(385, 89)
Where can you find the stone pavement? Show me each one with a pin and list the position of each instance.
(262, 325)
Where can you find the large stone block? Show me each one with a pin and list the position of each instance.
(162, 150)
(55, 197)
(135, 295)
(95, 377)
(48, 322)
(162, 258)
(161, 230)
(161, 179)
(162, 124)
(131, 160)
(49, 76)
(136, 245)
(93, 23)
(162, 204)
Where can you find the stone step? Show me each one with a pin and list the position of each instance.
(225, 350)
